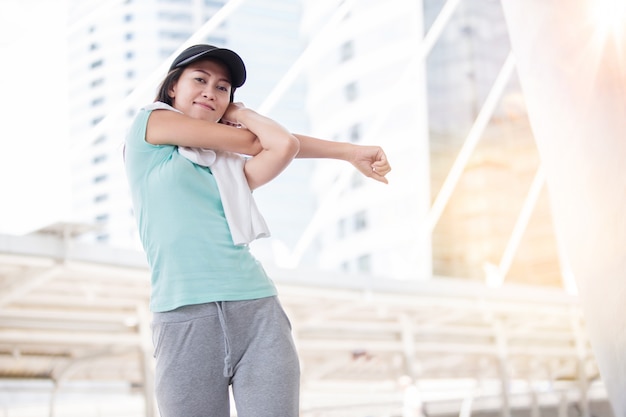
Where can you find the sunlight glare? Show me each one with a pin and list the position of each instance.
(609, 16)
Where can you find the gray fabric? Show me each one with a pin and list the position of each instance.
(201, 349)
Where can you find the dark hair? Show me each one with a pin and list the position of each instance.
(168, 82)
(166, 85)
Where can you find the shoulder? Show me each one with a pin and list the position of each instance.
(136, 134)
(159, 105)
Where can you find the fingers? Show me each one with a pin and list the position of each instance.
(229, 123)
(372, 162)
(379, 171)
(381, 166)
(379, 178)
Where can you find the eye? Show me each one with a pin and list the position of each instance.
(222, 88)
(200, 80)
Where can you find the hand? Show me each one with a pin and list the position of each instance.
(231, 115)
(371, 161)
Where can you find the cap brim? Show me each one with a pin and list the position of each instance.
(231, 59)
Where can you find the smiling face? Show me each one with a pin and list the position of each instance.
(203, 90)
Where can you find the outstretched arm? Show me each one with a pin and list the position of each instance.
(370, 160)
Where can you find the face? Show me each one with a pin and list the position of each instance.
(203, 90)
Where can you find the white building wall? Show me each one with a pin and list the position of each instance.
(364, 81)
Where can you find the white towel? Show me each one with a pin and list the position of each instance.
(242, 214)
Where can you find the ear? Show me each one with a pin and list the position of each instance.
(171, 92)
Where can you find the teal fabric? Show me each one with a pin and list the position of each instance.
(183, 229)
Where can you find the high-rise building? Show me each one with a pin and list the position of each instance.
(379, 77)
(366, 87)
(119, 51)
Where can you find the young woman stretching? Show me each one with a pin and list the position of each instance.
(216, 317)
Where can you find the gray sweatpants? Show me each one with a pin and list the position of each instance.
(202, 349)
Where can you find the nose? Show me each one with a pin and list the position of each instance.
(208, 92)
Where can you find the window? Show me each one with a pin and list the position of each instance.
(102, 238)
(100, 198)
(97, 82)
(102, 218)
(93, 47)
(341, 228)
(175, 17)
(100, 178)
(346, 52)
(360, 221)
(98, 159)
(128, 18)
(180, 36)
(350, 91)
(129, 36)
(364, 263)
(130, 55)
(355, 133)
(97, 101)
(96, 64)
(96, 120)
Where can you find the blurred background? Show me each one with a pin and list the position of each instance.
(443, 293)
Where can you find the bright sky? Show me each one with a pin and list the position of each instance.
(34, 172)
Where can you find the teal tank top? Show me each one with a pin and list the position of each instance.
(183, 229)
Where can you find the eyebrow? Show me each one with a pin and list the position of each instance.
(210, 74)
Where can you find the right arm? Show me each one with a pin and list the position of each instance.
(166, 127)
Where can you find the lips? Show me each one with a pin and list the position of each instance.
(204, 105)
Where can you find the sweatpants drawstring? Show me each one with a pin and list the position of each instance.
(228, 367)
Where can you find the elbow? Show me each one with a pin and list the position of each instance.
(290, 147)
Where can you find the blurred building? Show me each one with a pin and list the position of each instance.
(478, 224)
(366, 88)
(375, 81)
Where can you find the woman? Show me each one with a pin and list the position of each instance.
(216, 318)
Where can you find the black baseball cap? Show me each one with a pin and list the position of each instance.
(229, 58)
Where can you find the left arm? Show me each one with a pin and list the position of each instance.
(278, 146)
(370, 160)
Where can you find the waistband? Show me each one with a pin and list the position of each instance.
(219, 309)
